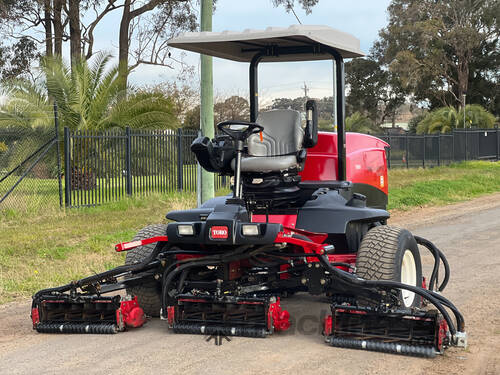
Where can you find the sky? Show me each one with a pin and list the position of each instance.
(362, 18)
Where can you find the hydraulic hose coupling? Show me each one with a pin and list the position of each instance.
(460, 339)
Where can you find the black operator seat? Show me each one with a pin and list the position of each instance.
(282, 141)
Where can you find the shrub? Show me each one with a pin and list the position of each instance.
(445, 119)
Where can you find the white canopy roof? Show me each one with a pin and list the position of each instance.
(242, 46)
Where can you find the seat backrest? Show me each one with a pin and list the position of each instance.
(282, 135)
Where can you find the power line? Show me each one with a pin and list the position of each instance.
(290, 6)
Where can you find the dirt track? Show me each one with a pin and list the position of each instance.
(468, 233)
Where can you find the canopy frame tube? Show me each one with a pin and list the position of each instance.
(339, 90)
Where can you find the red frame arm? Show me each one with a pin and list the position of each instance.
(125, 246)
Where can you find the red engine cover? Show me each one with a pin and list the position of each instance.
(365, 160)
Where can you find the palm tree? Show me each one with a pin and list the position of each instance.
(446, 119)
(27, 106)
(142, 110)
(88, 98)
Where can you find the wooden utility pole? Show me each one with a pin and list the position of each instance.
(207, 100)
(306, 90)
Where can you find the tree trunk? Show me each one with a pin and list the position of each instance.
(123, 47)
(58, 27)
(75, 31)
(48, 27)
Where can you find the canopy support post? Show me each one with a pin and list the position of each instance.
(340, 117)
(254, 86)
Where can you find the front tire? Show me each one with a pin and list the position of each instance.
(148, 294)
(390, 253)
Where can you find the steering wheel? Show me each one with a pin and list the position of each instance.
(247, 128)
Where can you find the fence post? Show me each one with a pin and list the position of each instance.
(129, 161)
(423, 155)
(465, 144)
(407, 151)
(58, 150)
(179, 160)
(67, 168)
(453, 145)
(439, 149)
(389, 153)
(498, 144)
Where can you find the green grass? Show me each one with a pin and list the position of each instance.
(442, 185)
(35, 195)
(31, 195)
(52, 247)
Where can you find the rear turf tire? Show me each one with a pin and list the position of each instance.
(390, 253)
(148, 295)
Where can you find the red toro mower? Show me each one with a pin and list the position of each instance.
(307, 214)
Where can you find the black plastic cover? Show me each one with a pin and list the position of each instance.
(311, 130)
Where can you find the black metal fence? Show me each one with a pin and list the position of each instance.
(409, 151)
(100, 167)
(107, 166)
(30, 168)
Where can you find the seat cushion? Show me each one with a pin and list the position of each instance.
(281, 141)
(266, 164)
(282, 135)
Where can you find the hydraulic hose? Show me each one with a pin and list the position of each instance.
(435, 298)
(458, 316)
(353, 280)
(182, 279)
(137, 267)
(435, 254)
(169, 274)
(130, 268)
(238, 254)
(446, 270)
(438, 255)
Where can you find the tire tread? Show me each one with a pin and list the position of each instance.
(378, 257)
(376, 254)
(147, 294)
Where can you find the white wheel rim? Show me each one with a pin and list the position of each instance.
(408, 277)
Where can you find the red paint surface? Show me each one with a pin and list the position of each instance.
(132, 314)
(171, 315)
(328, 325)
(316, 247)
(365, 160)
(279, 318)
(125, 246)
(35, 316)
(343, 258)
(442, 333)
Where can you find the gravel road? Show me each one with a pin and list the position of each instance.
(468, 233)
